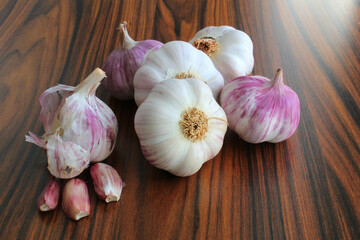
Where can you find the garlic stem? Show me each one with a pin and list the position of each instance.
(126, 42)
(278, 79)
(90, 84)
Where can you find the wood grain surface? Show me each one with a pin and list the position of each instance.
(307, 187)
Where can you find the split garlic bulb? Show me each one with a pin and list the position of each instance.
(122, 63)
(79, 127)
(260, 109)
(230, 50)
(179, 60)
(180, 126)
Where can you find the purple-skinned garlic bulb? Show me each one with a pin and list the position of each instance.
(123, 62)
(107, 182)
(260, 109)
(79, 127)
(49, 197)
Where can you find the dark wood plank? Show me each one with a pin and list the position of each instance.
(307, 187)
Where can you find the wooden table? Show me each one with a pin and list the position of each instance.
(307, 187)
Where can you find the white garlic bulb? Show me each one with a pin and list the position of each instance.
(230, 50)
(79, 127)
(179, 60)
(180, 126)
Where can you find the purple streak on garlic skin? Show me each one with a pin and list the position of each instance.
(51, 100)
(75, 199)
(32, 138)
(260, 109)
(49, 197)
(107, 182)
(122, 63)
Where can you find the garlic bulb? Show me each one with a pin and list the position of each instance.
(180, 126)
(122, 63)
(260, 109)
(230, 50)
(49, 197)
(179, 60)
(107, 182)
(75, 199)
(79, 127)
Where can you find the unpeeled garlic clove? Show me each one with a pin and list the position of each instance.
(75, 199)
(107, 182)
(49, 197)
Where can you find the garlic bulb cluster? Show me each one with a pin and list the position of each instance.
(122, 63)
(180, 126)
(79, 127)
(230, 50)
(178, 60)
(260, 109)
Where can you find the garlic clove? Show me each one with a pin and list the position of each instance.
(65, 159)
(231, 50)
(75, 199)
(260, 109)
(49, 197)
(177, 60)
(107, 182)
(180, 126)
(122, 63)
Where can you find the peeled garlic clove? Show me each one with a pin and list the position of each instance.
(75, 199)
(107, 182)
(79, 122)
(49, 197)
(260, 109)
(180, 126)
(122, 63)
(178, 60)
(230, 50)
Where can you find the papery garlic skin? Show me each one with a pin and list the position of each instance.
(107, 182)
(49, 197)
(175, 59)
(121, 65)
(159, 126)
(65, 159)
(260, 109)
(75, 199)
(233, 50)
(79, 127)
